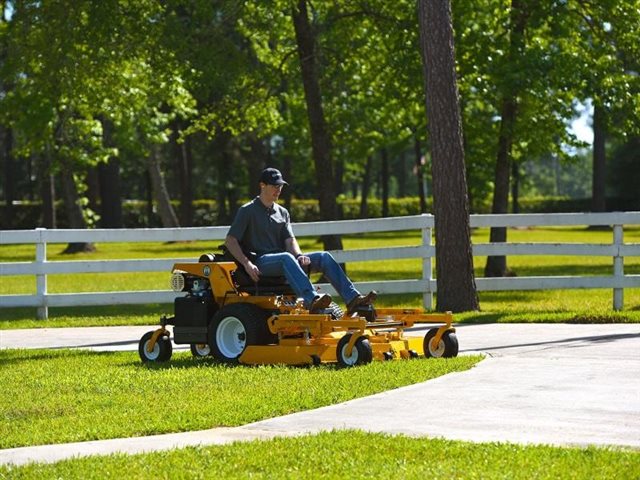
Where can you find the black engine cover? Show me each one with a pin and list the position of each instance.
(192, 315)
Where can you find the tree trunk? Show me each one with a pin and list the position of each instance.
(231, 189)
(287, 172)
(75, 215)
(384, 181)
(110, 194)
(598, 195)
(109, 184)
(320, 141)
(218, 155)
(515, 187)
(49, 218)
(420, 174)
(258, 161)
(339, 182)
(402, 175)
(224, 162)
(166, 212)
(497, 265)
(148, 188)
(6, 149)
(48, 193)
(454, 258)
(6, 136)
(93, 189)
(366, 185)
(184, 161)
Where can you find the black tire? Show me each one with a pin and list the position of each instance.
(447, 348)
(236, 326)
(161, 352)
(200, 350)
(361, 353)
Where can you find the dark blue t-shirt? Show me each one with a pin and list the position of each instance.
(260, 229)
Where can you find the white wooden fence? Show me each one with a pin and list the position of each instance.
(617, 250)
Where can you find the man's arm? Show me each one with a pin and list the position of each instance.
(234, 248)
(293, 248)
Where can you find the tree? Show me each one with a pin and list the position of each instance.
(609, 39)
(598, 193)
(7, 161)
(454, 258)
(497, 265)
(320, 137)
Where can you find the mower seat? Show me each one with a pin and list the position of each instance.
(267, 285)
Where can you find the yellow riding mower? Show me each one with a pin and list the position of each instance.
(226, 315)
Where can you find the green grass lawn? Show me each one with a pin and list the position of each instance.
(350, 454)
(56, 396)
(517, 306)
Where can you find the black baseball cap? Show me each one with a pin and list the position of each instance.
(272, 176)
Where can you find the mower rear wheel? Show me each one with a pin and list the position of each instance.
(361, 353)
(446, 348)
(236, 326)
(200, 350)
(161, 351)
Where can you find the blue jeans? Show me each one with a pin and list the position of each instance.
(273, 264)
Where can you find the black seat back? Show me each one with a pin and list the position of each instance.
(276, 285)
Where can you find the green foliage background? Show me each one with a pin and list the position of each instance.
(84, 82)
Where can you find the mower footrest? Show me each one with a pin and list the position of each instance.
(385, 324)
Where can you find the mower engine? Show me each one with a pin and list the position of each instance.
(184, 282)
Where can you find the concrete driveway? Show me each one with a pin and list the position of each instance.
(540, 383)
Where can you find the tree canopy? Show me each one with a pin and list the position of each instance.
(191, 98)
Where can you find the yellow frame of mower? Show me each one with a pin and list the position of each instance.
(314, 338)
(303, 336)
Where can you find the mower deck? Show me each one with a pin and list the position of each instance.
(313, 339)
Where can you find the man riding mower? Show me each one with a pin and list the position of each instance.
(228, 316)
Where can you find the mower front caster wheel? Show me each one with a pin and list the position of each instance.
(361, 353)
(161, 351)
(447, 347)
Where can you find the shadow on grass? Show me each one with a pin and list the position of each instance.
(578, 341)
(187, 362)
(481, 318)
(112, 311)
(48, 354)
(544, 317)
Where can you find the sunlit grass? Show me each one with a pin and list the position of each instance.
(55, 396)
(351, 454)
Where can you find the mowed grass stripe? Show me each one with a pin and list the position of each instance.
(350, 454)
(57, 396)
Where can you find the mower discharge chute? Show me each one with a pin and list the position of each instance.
(227, 316)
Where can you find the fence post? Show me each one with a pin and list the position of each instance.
(427, 270)
(618, 267)
(41, 278)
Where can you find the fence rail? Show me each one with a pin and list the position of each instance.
(617, 250)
